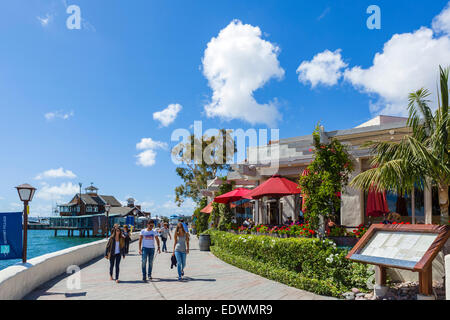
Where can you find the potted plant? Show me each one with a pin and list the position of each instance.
(274, 232)
(263, 230)
(283, 232)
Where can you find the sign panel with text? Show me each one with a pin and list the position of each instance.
(11, 243)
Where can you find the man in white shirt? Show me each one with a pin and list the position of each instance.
(147, 248)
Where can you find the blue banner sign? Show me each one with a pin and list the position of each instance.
(130, 220)
(11, 235)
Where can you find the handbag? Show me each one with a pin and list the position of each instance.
(173, 262)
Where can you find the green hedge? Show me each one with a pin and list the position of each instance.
(306, 263)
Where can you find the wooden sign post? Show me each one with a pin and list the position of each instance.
(409, 247)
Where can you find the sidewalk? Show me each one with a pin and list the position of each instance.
(206, 278)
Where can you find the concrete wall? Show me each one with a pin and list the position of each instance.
(352, 210)
(289, 209)
(20, 279)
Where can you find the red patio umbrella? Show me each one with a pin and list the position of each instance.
(232, 196)
(376, 203)
(208, 209)
(276, 187)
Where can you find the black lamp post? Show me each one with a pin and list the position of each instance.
(107, 208)
(26, 193)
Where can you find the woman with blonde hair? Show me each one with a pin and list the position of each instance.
(181, 248)
(115, 249)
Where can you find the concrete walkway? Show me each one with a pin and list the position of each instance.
(206, 278)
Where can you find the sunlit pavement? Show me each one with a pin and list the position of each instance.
(206, 278)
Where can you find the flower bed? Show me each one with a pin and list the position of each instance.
(310, 264)
(296, 230)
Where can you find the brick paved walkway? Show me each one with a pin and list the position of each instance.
(206, 278)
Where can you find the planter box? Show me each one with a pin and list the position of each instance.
(204, 242)
(275, 235)
(344, 241)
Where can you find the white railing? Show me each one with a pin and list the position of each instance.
(21, 279)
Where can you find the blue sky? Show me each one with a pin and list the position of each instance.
(82, 100)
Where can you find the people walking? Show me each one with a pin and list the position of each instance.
(165, 233)
(181, 248)
(115, 249)
(185, 226)
(126, 234)
(147, 248)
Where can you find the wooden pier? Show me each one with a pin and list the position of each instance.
(82, 232)
(85, 226)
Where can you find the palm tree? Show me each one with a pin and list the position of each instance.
(419, 159)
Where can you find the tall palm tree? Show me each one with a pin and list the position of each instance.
(419, 159)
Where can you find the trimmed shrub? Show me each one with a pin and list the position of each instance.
(309, 263)
(290, 278)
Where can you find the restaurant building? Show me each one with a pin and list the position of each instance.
(296, 153)
(92, 203)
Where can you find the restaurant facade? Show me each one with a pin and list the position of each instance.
(295, 154)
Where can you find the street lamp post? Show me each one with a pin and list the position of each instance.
(107, 208)
(26, 193)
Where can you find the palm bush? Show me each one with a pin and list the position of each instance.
(420, 158)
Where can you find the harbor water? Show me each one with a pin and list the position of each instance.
(44, 241)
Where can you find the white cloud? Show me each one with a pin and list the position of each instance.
(441, 23)
(147, 158)
(149, 143)
(147, 205)
(236, 63)
(56, 173)
(168, 115)
(170, 207)
(48, 192)
(16, 206)
(409, 61)
(41, 210)
(44, 21)
(325, 68)
(58, 115)
(324, 13)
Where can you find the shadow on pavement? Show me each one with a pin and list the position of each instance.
(79, 294)
(131, 281)
(185, 279)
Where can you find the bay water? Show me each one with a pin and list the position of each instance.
(44, 241)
